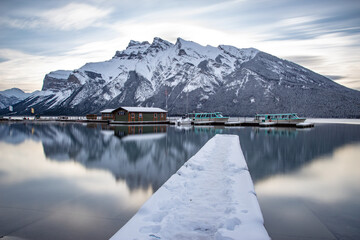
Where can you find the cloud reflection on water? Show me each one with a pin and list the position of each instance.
(318, 201)
(330, 178)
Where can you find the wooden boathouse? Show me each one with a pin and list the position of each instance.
(134, 115)
(107, 114)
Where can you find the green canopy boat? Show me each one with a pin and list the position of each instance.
(279, 118)
(207, 117)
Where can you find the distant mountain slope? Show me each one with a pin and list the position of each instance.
(224, 78)
(12, 96)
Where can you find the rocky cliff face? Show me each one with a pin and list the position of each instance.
(224, 78)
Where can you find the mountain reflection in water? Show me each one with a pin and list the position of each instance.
(150, 154)
(141, 155)
(98, 175)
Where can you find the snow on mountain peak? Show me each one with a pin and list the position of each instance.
(182, 43)
(160, 43)
(14, 92)
(242, 53)
(60, 74)
(134, 50)
(12, 96)
(133, 43)
(158, 40)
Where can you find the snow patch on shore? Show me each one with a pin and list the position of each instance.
(211, 196)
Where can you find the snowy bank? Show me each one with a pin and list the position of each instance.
(210, 197)
(334, 120)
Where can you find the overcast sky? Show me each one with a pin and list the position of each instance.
(40, 36)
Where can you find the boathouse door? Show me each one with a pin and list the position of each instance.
(131, 117)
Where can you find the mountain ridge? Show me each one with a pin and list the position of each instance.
(239, 82)
(12, 96)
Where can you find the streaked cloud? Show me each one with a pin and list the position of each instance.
(335, 77)
(305, 59)
(320, 35)
(73, 16)
(27, 71)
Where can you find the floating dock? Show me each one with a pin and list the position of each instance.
(81, 120)
(305, 125)
(139, 122)
(211, 196)
(208, 123)
(268, 124)
(171, 122)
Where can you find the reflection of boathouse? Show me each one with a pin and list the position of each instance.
(122, 131)
(134, 114)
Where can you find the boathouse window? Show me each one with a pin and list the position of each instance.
(155, 115)
(121, 113)
(140, 115)
(162, 115)
(132, 115)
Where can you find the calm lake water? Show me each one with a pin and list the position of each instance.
(75, 181)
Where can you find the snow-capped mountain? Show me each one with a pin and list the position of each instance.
(224, 78)
(12, 96)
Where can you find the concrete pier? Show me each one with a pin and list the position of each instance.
(210, 197)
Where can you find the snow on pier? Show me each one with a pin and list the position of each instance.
(210, 197)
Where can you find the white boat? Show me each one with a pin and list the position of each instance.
(183, 121)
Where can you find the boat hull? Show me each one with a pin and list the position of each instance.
(218, 120)
(186, 121)
(298, 120)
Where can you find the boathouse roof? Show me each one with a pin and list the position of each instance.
(136, 109)
(110, 110)
(143, 109)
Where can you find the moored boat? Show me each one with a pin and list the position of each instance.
(208, 117)
(279, 118)
(185, 120)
